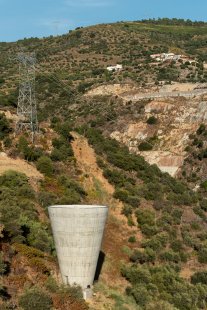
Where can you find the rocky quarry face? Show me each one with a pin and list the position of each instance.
(176, 118)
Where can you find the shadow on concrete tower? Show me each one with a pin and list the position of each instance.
(78, 232)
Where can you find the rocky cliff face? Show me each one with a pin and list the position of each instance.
(175, 119)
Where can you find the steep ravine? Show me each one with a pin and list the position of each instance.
(117, 230)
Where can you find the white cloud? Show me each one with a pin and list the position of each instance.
(88, 3)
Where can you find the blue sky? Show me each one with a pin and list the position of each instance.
(38, 18)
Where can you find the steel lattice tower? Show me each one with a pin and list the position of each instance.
(26, 109)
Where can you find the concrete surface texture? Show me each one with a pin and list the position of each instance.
(78, 232)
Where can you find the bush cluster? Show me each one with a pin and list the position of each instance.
(18, 213)
(163, 283)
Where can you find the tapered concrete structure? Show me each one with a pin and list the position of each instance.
(78, 232)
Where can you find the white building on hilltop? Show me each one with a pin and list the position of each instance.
(165, 57)
(115, 68)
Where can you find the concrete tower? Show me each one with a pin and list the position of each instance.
(78, 232)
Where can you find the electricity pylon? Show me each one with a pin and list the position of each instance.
(26, 109)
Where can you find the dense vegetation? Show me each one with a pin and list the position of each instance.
(25, 233)
(171, 239)
(193, 169)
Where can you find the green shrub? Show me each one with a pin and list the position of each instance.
(132, 239)
(204, 185)
(47, 199)
(5, 128)
(145, 216)
(45, 166)
(14, 180)
(70, 184)
(148, 230)
(177, 245)
(177, 216)
(28, 251)
(157, 242)
(64, 130)
(137, 275)
(7, 142)
(62, 148)
(170, 256)
(51, 284)
(117, 178)
(152, 120)
(38, 237)
(39, 264)
(140, 294)
(35, 298)
(200, 212)
(125, 196)
(195, 225)
(29, 153)
(17, 206)
(199, 277)
(160, 305)
(203, 204)
(57, 143)
(127, 210)
(145, 146)
(141, 257)
(202, 255)
(2, 264)
(201, 129)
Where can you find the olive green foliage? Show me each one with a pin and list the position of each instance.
(63, 129)
(5, 127)
(136, 181)
(52, 296)
(152, 120)
(8, 99)
(195, 163)
(2, 264)
(35, 298)
(145, 146)
(73, 192)
(29, 152)
(132, 239)
(68, 192)
(150, 284)
(46, 198)
(141, 257)
(45, 165)
(18, 212)
(199, 277)
(62, 149)
(51, 284)
(202, 255)
(201, 129)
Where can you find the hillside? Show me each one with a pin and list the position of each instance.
(69, 64)
(134, 140)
